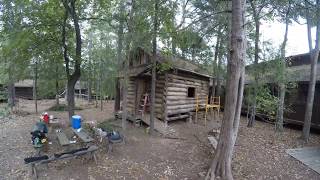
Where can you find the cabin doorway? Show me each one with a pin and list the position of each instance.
(142, 99)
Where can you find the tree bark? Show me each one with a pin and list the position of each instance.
(215, 64)
(89, 91)
(117, 96)
(57, 84)
(11, 80)
(218, 89)
(70, 9)
(126, 67)
(100, 84)
(11, 91)
(256, 61)
(221, 165)
(281, 85)
(154, 63)
(312, 83)
(35, 82)
(309, 26)
(119, 56)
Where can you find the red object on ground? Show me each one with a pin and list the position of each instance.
(45, 118)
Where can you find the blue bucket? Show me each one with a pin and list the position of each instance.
(76, 122)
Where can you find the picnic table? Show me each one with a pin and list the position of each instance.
(82, 134)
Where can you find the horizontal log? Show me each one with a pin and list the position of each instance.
(178, 117)
(182, 102)
(172, 112)
(186, 78)
(179, 85)
(185, 106)
(169, 93)
(177, 89)
(177, 81)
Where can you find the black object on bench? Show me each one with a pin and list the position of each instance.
(35, 159)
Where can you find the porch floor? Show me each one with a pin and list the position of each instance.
(159, 126)
(310, 156)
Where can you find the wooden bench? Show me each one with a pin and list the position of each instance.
(63, 139)
(33, 161)
(83, 135)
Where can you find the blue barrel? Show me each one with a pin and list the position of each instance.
(76, 122)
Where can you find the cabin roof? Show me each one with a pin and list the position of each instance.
(24, 83)
(178, 63)
(298, 69)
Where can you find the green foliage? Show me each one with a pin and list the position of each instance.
(165, 66)
(4, 112)
(267, 103)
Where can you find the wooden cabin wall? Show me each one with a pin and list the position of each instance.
(24, 92)
(131, 96)
(160, 96)
(296, 99)
(136, 88)
(177, 101)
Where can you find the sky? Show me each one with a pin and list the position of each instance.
(297, 36)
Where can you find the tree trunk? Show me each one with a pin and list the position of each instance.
(100, 85)
(218, 89)
(117, 98)
(126, 67)
(119, 56)
(90, 69)
(35, 82)
(312, 83)
(11, 88)
(154, 63)
(57, 85)
(215, 64)
(282, 86)
(11, 92)
(256, 61)
(309, 26)
(70, 98)
(89, 91)
(221, 165)
(69, 6)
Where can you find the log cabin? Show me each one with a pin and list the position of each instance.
(179, 85)
(298, 72)
(24, 89)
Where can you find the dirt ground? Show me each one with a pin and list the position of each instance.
(259, 153)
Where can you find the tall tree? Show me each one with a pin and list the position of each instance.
(129, 41)
(221, 165)
(35, 84)
(314, 55)
(119, 53)
(72, 77)
(281, 84)
(257, 8)
(154, 63)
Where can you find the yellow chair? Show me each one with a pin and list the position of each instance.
(213, 104)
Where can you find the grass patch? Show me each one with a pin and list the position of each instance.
(62, 107)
